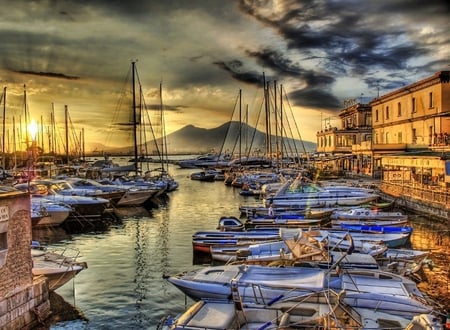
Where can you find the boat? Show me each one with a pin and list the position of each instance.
(57, 266)
(285, 219)
(364, 214)
(391, 240)
(84, 206)
(49, 213)
(316, 310)
(369, 222)
(377, 229)
(372, 288)
(203, 176)
(299, 193)
(203, 240)
(258, 210)
(322, 310)
(230, 223)
(303, 246)
(91, 187)
(289, 220)
(204, 161)
(135, 194)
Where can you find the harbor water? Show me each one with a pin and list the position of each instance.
(123, 286)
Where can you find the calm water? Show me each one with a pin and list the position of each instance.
(123, 286)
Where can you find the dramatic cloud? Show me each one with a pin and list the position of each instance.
(78, 53)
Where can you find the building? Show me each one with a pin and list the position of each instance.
(24, 299)
(335, 145)
(405, 143)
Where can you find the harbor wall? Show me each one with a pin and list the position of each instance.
(422, 200)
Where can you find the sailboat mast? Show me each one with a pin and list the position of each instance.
(66, 115)
(133, 64)
(240, 123)
(3, 129)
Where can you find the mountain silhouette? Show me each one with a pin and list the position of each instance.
(225, 138)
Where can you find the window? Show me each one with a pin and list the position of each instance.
(413, 101)
(387, 112)
(431, 100)
(399, 137)
(3, 241)
(3, 248)
(387, 138)
(414, 136)
(399, 109)
(376, 115)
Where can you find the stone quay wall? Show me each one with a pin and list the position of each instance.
(423, 200)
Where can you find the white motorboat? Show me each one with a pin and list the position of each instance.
(204, 161)
(315, 310)
(302, 194)
(374, 289)
(321, 310)
(50, 213)
(58, 267)
(87, 207)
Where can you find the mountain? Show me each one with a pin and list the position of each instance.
(195, 140)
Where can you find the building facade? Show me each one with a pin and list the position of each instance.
(406, 143)
(336, 144)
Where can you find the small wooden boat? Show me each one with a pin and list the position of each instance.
(377, 229)
(203, 176)
(257, 209)
(283, 220)
(391, 240)
(203, 240)
(363, 214)
(286, 220)
(368, 222)
(230, 223)
(305, 246)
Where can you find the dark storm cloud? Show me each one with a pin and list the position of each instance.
(235, 69)
(315, 98)
(50, 74)
(352, 38)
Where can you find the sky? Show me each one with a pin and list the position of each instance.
(78, 53)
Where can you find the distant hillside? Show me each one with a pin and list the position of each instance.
(195, 140)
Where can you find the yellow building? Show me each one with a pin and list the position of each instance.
(411, 127)
(335, 145)
(416, 116)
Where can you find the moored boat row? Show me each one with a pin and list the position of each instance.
(354, 257)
